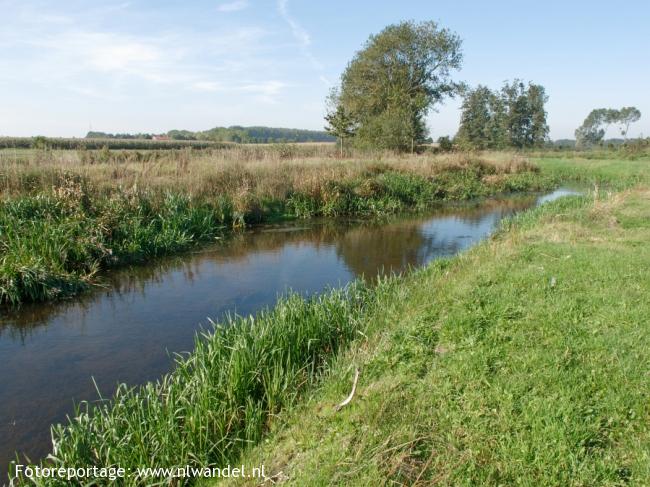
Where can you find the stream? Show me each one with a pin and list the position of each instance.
(53, 354)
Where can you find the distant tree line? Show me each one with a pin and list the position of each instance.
(513, 117)
(262, 135)
(103, 135)
(235, 133)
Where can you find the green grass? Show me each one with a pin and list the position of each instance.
(612, 173)
(53, 242)
(522, 362)
(223, 396)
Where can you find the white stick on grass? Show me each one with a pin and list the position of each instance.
(354, 388)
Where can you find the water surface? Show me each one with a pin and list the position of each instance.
(127, 331)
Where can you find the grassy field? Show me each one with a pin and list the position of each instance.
(65, 215)
(519, 362)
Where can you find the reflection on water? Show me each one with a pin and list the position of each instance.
(126, 331)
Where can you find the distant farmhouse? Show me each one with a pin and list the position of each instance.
(160, 137)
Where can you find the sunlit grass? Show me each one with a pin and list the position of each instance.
(521, 362)
(225, 395)
(63, 218)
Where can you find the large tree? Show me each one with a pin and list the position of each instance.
(391, 84)
(525, 119)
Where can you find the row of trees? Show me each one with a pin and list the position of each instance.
(514, 116)
(593, 129)
(104, 135)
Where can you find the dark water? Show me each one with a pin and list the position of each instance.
(126, 332)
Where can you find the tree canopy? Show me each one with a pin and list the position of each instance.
(593, 129)
(391, 84)
(512, 117)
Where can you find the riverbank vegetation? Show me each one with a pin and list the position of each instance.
(513, 362)
(67, 215)
(220, 398)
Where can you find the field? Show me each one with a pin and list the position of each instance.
(66, 215)
(44, 143)
(513, 363)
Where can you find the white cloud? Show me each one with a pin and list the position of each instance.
(206, 86)
(299, 33)
(233, 6)
(266, 88)
(64, 57)
(90, 60)
(266, 91)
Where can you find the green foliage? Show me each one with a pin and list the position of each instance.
(92, 134)
(340, 123)
(235, 133)
(513, 117)
(40, 142)
(223, 396)
(390, 85)
(482, 124)
(445, 144)
(52, 244)
(512, 364)
(256, 135)
(181, 135)
(595, 126)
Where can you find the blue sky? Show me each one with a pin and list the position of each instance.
(152, 66)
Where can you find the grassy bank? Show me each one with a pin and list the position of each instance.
(223, 396)
(517, 363)
(521, 362)
(63, 218)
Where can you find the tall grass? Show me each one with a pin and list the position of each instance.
(62, 219)
(262, 171)
(223, 396)
(89, 144)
